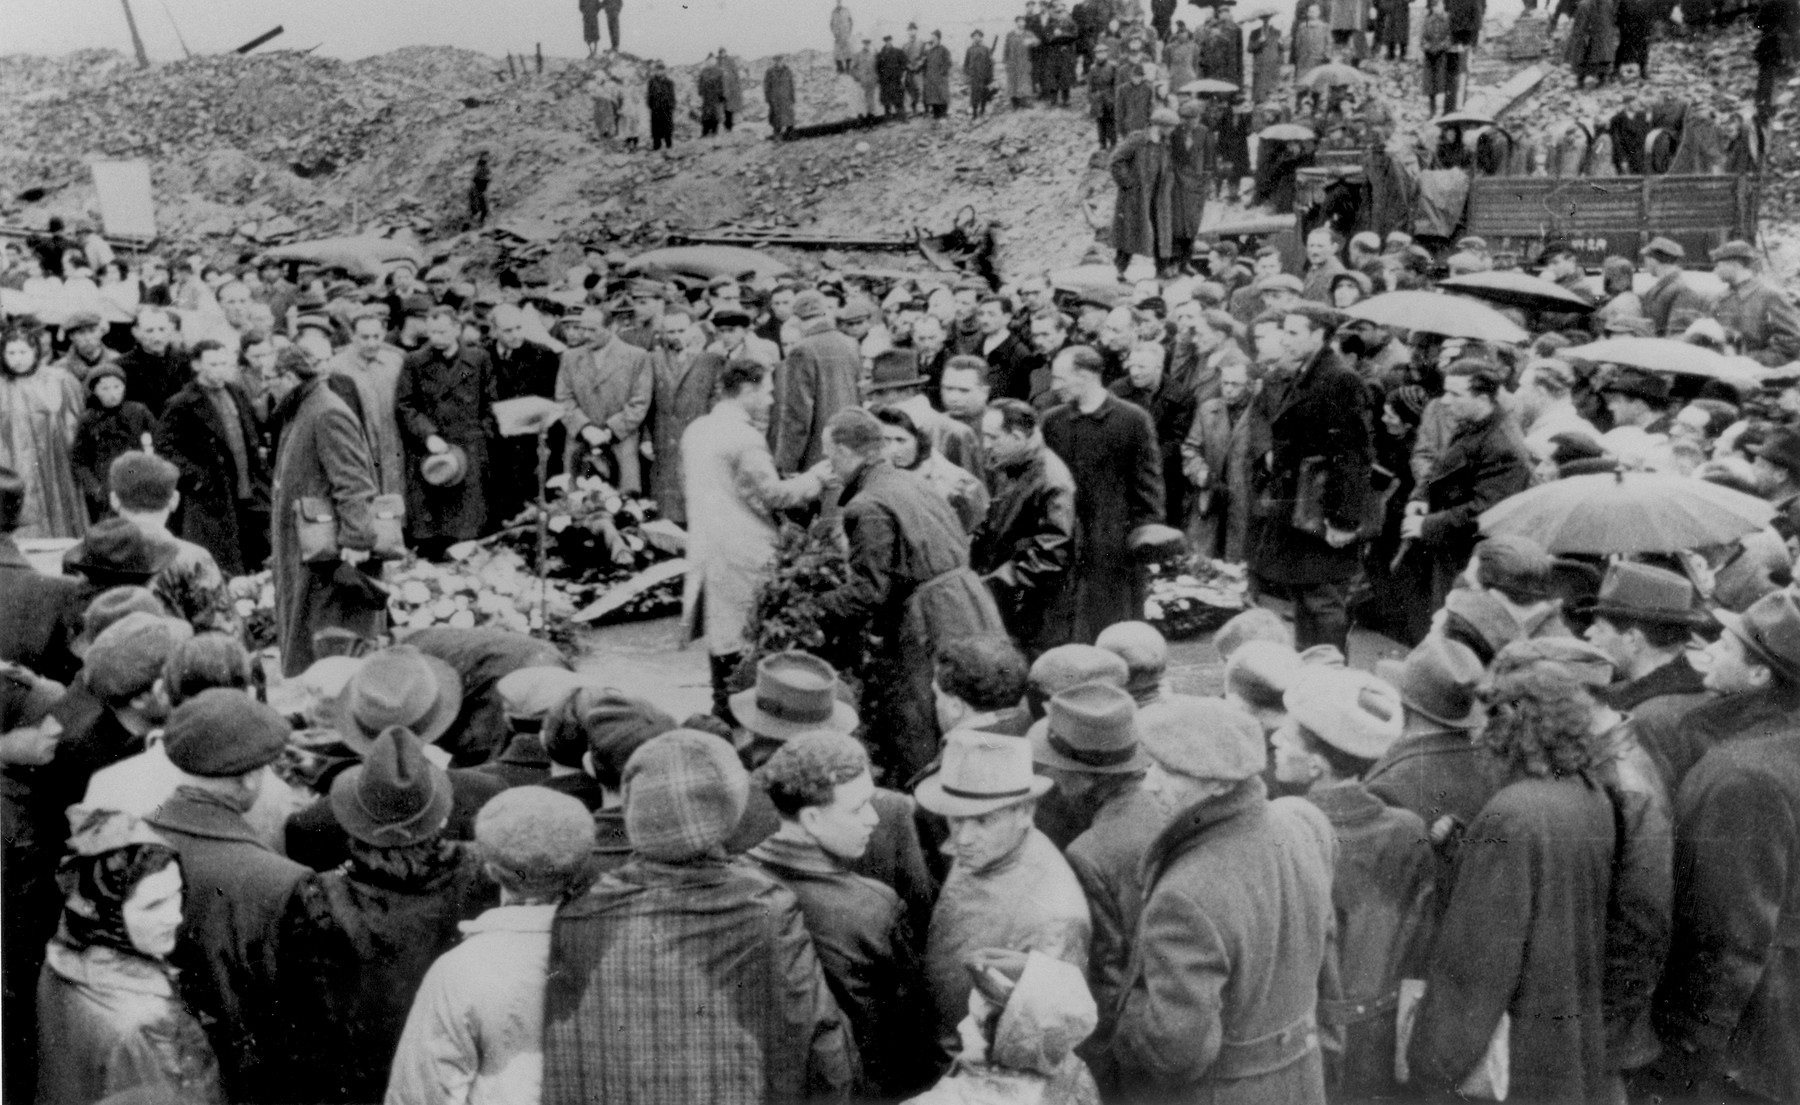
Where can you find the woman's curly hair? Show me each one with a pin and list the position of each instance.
(1540, 716)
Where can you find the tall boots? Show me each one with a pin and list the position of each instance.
(722, 669)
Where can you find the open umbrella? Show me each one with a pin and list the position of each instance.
(1663, 355)
(57, 305)
(1517, 289)
(1332, 74)
(1287, 132)
(1626, 513)
(1432, 313)
(1207, 86)
(1463, 119)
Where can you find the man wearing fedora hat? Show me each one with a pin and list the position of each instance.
(1727, 1009)
(681, 919)
(1644, 617)
(895, 381)
(1089, 749)
(1008, 886)
(910, 587)
(1235, 925)
(1434, 768)
(238, 892)
(1339, 723)
(369, 930)
(820, 786)
(1758, 318)
(481, 656)
(397, 687)
(1776, 468)
(445, 402)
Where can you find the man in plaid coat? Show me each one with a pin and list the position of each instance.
(683, 977)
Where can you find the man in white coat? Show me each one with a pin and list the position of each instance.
(733, 492)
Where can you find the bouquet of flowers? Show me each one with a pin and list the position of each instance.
(1191, 595)
(789, 614)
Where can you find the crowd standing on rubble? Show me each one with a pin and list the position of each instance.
(970, 843)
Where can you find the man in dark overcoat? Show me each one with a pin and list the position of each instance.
(210, 431)
(659, 94)
(1728, 1009)
(819, 378)
(709, 85)
(778, 90)
(236, 889)
(322, 454)
(978, 70)
(1144, 173)
(1192, 155)
(1485, 462)
(1309, 422)
(1110, 447)
(890, 74)
(910, 590)
(445, 400)
(521, 367)
(1023, 549)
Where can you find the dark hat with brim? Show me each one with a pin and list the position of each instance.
(1770, 629)
(395, 796)
(1089, 729)
(1645, 593)
(399, 686)
(116, 552)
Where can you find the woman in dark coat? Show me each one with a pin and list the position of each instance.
(105, 433)
(322, 455)
(1398, 599)
(368, 931)
(446, 395)
(1524, 933)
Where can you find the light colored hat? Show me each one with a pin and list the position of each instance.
(980, 773)
(1350, 710)
(1202, 738)
(795, 691)
(445, 469)
(1089, 729)
(535, 692)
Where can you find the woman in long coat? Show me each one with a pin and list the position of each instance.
(40, 410)
(1524, 932)
(1593, 40)
(322, 455)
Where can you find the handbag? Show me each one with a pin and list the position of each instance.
(316, 527)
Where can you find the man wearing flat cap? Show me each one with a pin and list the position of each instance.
(681, 919)
(1008, 886)
(83, 332)
(1235, 925)
(1144, 216)
(818, 379)
(1089, 748)
(605, 385)
(1561, 265)
(1339, 723)
(1726, 1011)
(1671, 303)
(236, 893)
(1758, 318)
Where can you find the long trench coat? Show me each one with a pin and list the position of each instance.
(453, 399)
(1017, 55)
(322, 455)
(609, 387)
(39, 414)
(684, 388)
(1113, 455)
(1144, 218)
(1191, 154)
(935, 71)
(192, 437)
(778, 91)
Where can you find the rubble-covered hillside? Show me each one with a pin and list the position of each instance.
(249, 150)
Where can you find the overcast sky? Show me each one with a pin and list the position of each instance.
(674, 30)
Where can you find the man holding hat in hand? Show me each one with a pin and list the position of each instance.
(1008, 886)
(1758, 317)
(1235, 925)
(1340, 721)
(1088, 747)
(237, 890)
(605, 385)
(444, 401)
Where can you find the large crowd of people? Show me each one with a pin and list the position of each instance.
(972, 844)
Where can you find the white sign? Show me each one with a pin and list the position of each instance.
(125, 202)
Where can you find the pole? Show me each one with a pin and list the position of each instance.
(540, 58)
(137, 40)
(538, 620)
(259, 40)
(185, 52)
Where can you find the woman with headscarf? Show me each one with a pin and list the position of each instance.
(1398, 598)
(40, 410)
(365, 934)
(110, 1019)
